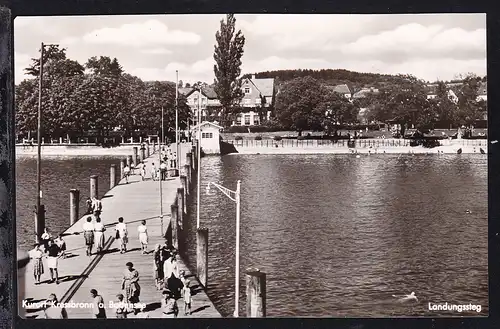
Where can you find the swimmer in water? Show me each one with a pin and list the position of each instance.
(406, 298)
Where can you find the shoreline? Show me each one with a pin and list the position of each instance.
(361, 150)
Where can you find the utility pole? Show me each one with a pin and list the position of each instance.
(40, 209)
(198, 166)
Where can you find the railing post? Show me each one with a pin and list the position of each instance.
(180, 207)
(134, 158)
(256, 293)
(74, 205)
(202, 255)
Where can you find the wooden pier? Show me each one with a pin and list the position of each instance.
(136, 201)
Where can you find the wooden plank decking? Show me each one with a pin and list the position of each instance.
(136, 201)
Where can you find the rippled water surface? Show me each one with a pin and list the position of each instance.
(337, 236)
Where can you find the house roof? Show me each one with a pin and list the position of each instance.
(364, 92)
(342, 89)
(264, 86)
(206, 123)
(209, 92)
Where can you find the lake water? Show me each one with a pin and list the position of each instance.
(336, 235)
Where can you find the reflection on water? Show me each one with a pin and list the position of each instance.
(59, 176)
(337, 236)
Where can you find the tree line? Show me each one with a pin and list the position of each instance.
(95, 98)
(306, 103)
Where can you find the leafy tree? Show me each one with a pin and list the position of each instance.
(469, 108)
(338, 110)
(51, 53)
(227, 55)
(188, 85)
(180, 84)
(104, 65)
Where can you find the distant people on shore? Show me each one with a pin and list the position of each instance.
(52, 260)
(130, 285)
(98, 305)
(142, 232)
(88, 234)
(37, 256)
(99, 234)
(122, 235)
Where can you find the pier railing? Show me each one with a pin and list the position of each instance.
(359, 143)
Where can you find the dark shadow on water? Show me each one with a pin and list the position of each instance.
(199, 309)
(107, 196)
(152, 306)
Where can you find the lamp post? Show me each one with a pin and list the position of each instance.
(235, 196)
(40, 209)
(177, 166)
(198, 151)
(160, 180)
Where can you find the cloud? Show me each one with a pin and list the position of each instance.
(151, 32)
(157, 51)
(68, 41)
(287, 31)
(414, 40)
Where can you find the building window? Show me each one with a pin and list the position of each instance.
(195, 100)
(247, 90)
(257, 100)
(256, 120)
(238, 120)
(246, 101)
(206, 135)
(247, 119)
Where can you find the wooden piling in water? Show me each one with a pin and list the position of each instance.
(112, 176)
(202, 256)
(134, 157)
(256, 293)
(93, 186)
(184, 183)
(174, 226)
(74, 206)
(181, 207)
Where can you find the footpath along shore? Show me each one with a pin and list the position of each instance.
(136, 201)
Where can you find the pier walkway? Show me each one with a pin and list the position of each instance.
(136, 201)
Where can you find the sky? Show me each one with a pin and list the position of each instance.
(153, 47)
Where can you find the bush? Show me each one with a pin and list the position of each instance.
(238, 138)
(277, 138)
(258, 138)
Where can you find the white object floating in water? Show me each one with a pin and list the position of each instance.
(410, 297)
(494, 142)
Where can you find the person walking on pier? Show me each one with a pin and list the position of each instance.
(88, 233)
(121, 309)
(97, 206)
(98, 305)
(61, 244)
(142, 170)
(52, 258)
(52, 310)
(169, 305)
(186, 291)
(99, 234)
(163, 170)
(37, 256)
(45, 238)
(158, 266)
(143, 236)
(122, 234)
(89, 206)
(153, 171)
(126, 173)
(130, 285)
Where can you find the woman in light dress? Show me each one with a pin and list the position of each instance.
(99, 234)
(37, 256)
(122, 234)
(153, 171)
(142, 231)
(130, 285)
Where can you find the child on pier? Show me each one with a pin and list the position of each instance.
(61, 244)
(121, 308)
(122, 234)
(126, 173)
(88, 233)
(153, 171)
(187, 298)
(143, 236)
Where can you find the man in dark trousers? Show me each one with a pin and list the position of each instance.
(98, 305)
